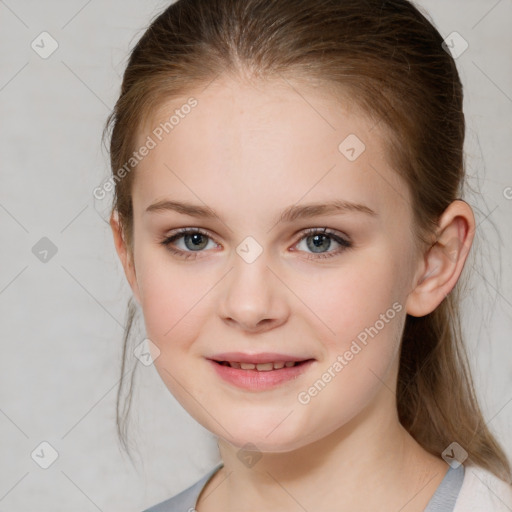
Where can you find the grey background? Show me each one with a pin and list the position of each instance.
(62, 320)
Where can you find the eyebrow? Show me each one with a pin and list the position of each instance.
(290, 214)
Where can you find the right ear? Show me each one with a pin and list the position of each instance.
(124, 254)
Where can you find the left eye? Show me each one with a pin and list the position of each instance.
(316, 240)
(195, 240)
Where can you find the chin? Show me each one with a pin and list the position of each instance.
(263, 445)
(264, 437)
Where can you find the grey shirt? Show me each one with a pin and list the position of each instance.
(443, 499)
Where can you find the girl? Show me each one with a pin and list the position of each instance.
(288, 214)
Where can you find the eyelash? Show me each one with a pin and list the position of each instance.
(167, 241)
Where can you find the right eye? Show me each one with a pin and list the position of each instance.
(194, 240)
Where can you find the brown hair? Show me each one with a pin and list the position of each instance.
(390, 60)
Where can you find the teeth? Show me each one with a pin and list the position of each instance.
(262, 367)
(265, 367)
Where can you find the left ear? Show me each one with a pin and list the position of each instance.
(444, 260)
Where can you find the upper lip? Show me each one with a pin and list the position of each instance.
(262, 357)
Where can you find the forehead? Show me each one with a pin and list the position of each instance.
(265, 103)
(276, 133)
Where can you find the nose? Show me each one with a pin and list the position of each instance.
(253, 299)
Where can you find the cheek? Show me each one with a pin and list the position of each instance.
(173, 316)
(361, 313)
(169, 298)
(344, 302)
(363, 306)
(359, 359)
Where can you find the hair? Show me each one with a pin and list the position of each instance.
(389, 59)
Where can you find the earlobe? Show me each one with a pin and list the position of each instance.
(124, 254)
(444, 260)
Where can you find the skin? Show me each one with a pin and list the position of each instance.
(249, 151)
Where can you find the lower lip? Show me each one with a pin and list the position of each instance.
(255, 380)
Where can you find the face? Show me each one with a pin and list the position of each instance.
(323, 286)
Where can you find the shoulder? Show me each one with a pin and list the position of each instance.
(186, 500)
(482, 491)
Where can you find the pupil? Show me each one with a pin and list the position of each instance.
(318, 240)
(196, 237)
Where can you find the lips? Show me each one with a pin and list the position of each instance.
(259, 376)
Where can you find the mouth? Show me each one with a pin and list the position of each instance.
(260, 376)
(262, 367)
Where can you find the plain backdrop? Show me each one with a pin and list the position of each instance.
(62, 291)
